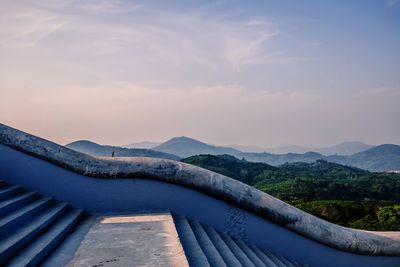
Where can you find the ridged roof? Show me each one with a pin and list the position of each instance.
(216, 185)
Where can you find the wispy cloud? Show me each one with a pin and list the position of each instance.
(249, 51)
(27, 26)
(106, 6)
(150, 37)
(128, 71)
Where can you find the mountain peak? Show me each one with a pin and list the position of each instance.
(82, 143)
(184, 146)
(183, 139)
(344, 148)
(387, 149)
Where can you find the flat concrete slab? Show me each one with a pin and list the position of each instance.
(132, 240)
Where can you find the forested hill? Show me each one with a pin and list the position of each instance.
(230, 166)
(341, 194)
(306, 181)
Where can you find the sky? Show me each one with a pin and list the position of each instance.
(266, 73)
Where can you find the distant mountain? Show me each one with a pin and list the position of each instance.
(380, 158)
(345, 148)
(94, 149)
(251, 149)
(145, 144)
(186, 147)
(288, 149)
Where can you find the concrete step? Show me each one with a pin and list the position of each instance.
(66, 250)
(261, 255)
(9, 191)
(15, 202)
(12, 243)
(212, 254)
(226, 253)
(10, 221)
(249, 253)
(285, 261)
(274, 258)
(240, 255)
(217, 246)
(37, 250)
(281, 261)
(193, 251)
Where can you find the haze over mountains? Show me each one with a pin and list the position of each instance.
(94, 149)
(373, 158)
(380, 158)
(145, 144)
(344, 148)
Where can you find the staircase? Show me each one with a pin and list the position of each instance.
(37, 230)
(31, 226)
(206, 247)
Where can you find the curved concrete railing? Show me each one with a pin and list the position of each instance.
(216, 185)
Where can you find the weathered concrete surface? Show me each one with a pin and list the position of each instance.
(216, 185)
(135, 240)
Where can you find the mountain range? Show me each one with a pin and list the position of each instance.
(379, 158)
(344, 148)
(95, 149)
(384, 157)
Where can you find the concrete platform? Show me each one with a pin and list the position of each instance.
(133, 240)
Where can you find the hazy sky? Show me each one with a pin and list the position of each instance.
(264, 73)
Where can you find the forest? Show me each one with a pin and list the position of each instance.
(340, 194)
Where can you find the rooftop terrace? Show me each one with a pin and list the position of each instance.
(249, 217)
